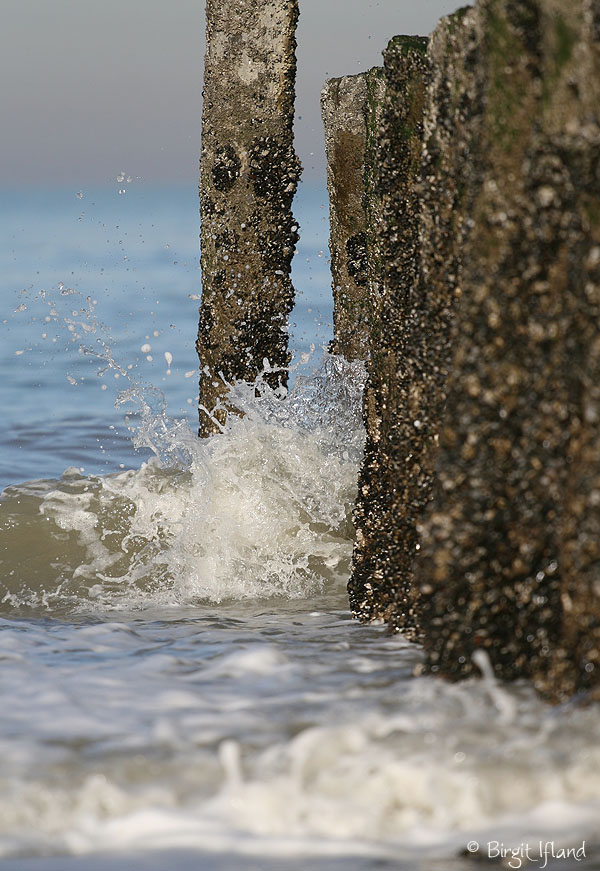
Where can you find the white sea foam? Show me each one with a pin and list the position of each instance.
(260, 510)
(209, 732)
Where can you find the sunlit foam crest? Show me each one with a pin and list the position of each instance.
(278, 485)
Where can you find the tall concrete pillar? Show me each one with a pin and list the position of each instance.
(575, 662)
(248, 177)
(350, 106)
(509, 557)
(388, 485)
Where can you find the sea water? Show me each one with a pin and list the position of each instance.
(182, 686)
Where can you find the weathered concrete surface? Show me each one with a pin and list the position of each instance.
(478, 515)
(248, 177)
(348, 107)
(575, 664)
(389, 481)
(509, 558)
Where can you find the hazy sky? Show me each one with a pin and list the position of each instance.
(93, 87)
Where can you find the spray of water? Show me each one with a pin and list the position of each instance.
(262, 509)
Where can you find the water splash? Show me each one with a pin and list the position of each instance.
(261, 510)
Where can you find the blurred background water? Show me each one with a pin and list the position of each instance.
(122, 261)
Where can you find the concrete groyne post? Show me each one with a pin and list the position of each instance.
(478, 510)
(575, 662)
(248, 177)
(509, 559)
(393, 163)
(349, 106)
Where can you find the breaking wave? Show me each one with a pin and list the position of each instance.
(261, 510)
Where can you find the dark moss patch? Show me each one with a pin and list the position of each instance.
(455, 19)
(207, 206)
(346, 161)
(227, 239)
(357, 258)
(565, 41)
(407, 44)
(219, 278)
(512, 51)
(524, 15)
(591, 206)
(274, 169)
(226, 168)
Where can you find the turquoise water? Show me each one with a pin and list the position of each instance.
(181, 684)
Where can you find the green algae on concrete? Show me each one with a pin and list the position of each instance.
(248, 177)
(349, 105)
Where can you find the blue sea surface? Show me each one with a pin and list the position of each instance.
(128, 265)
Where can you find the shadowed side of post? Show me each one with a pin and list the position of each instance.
(248, 177)
(349, 106)
(387, 487)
